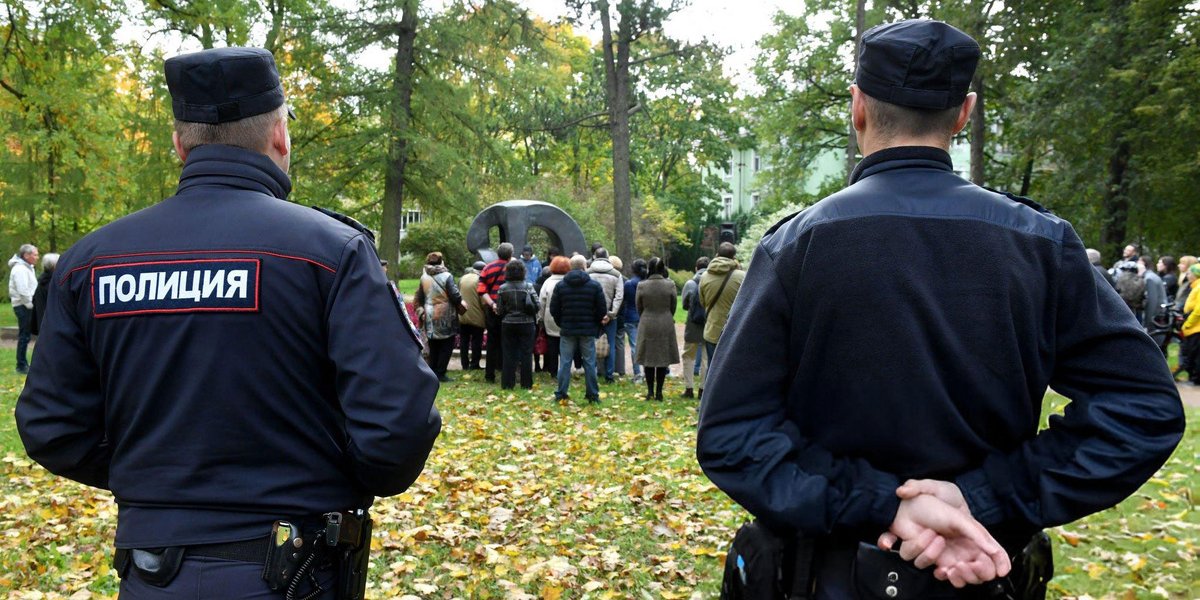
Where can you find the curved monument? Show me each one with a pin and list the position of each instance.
(515, 218)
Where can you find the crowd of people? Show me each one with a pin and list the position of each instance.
(27, 290)
(1162, 296)
(575, 314)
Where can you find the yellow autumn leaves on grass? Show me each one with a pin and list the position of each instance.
(527, 498)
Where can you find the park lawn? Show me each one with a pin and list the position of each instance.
(8, 318)
(527, 498)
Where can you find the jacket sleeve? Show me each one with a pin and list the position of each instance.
(556, 306)
(419, 295)
(1124, 419)
(750, 449)
(481, 286)
(533, 307)
(452, 291)
(618, 297)
(60, 413)
(601, 303)
(1155, 293)
(385, 389)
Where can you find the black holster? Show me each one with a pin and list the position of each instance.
(348, 536)
(343, 541)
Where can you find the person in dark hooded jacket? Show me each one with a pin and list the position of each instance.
(49, 262)
(579, 308)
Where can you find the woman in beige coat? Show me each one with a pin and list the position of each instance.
(657, 347)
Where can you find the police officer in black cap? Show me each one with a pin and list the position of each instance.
(923, 377)
(231, 365)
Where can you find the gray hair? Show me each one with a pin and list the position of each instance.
(504, 251)
(26, 250)
(1093, 256)
(578, 263)
(49, 262)
(251, 133)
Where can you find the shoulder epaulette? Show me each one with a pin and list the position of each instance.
(348, 221)
(1021, 200)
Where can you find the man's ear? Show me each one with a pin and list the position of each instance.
(964, 113)
(183, 154)
(280, 140)
(858, 108)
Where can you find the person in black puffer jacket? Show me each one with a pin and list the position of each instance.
(578, 306)
(518, 308)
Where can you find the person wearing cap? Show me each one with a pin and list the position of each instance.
(226, 360)
(472, 322)
(933, 441)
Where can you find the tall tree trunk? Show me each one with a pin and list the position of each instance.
(277, 8)
(401, 123)
(616, 70)
(978, 132)
(1116, 202)
(1026, 177)
(860, 21)
(52, 197)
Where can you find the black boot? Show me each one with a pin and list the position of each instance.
(688, 393)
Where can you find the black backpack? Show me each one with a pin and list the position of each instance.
(696, 314)
(1131, 286)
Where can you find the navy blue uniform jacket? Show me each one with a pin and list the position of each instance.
(908, 327)
(224, 359)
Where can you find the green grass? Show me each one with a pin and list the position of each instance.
(8, 318)
(526, 495)
(408, 287)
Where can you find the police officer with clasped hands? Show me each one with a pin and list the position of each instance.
(231, 365)
(919, 425)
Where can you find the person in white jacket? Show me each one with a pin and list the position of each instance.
(22, 283)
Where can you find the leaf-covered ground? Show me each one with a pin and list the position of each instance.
(527, 498)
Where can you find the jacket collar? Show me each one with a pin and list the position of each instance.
(233, 167)
(902, 157)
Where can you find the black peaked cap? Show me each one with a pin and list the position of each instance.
(917, 63)
(223, 84)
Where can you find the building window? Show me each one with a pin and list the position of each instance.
(728, 206)
(756, 163)
(754, 200)
(410, 216)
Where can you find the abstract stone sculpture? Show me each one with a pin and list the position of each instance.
(515, 218)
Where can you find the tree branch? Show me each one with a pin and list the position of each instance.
(4, 84)
(680, 51)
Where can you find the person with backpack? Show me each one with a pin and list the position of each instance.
(1131, 286)
(718, 289)
(695, 360)
(438, 303)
